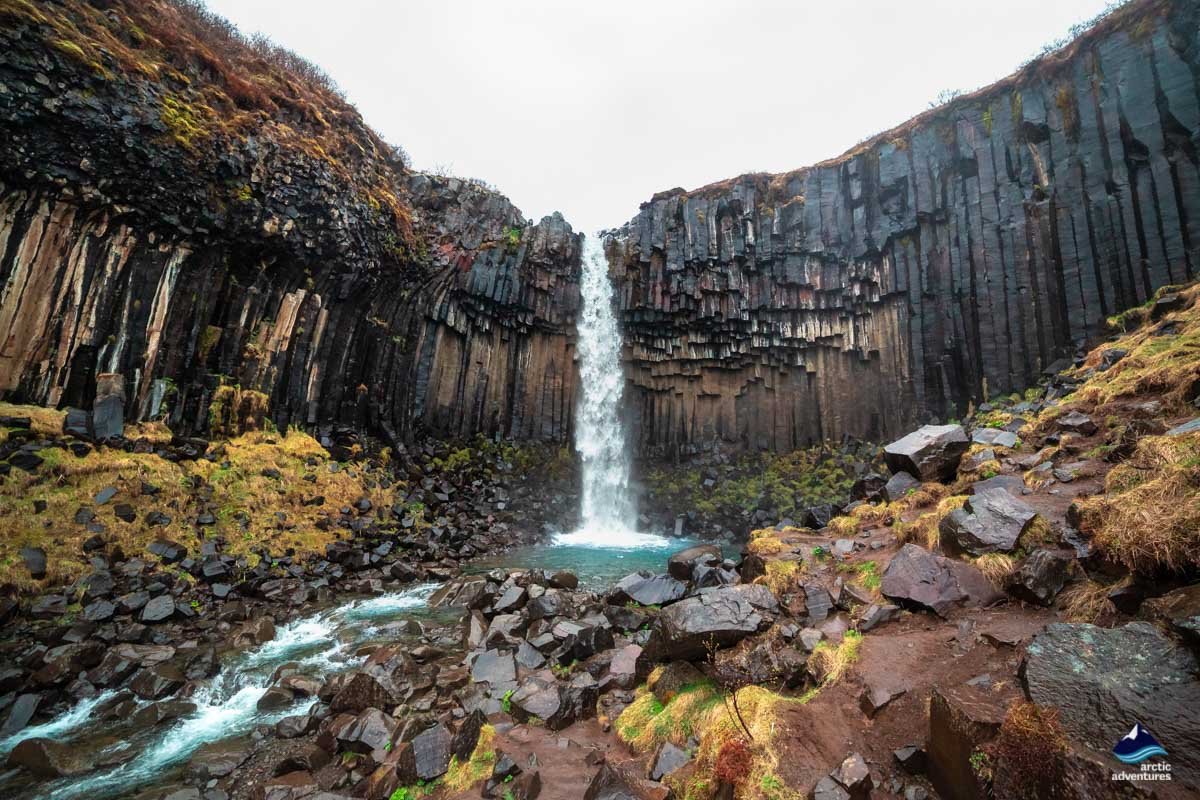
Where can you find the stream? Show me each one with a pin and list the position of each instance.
(323, 643)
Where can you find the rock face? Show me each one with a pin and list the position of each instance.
(1104, 680)
(946, 260)
(152, 235)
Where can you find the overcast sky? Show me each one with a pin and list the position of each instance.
(589, 109)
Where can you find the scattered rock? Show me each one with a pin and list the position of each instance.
(930, 453)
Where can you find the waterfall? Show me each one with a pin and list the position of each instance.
(608, 514)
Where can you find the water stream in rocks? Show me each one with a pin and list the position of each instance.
(608, 513)
(326, 643)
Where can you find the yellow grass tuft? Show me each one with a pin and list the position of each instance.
(1148, 519)
(461, 777)
(996, 567)
(781, 576)
(1086, 601)
(926, 528)
(703, 711)
(764, 542)
(244, 501)
(829, 662)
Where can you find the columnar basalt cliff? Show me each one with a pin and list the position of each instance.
(942, 262)
(184, 210)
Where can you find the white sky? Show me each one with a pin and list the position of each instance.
(591, 108)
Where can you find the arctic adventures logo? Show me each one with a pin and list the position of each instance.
(1136, 747)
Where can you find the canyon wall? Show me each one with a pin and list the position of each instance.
(945, 261)
(186, 214)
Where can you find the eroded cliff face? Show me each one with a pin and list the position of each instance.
(945, 261)
(158, 224)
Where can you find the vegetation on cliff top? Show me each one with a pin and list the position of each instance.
(215, 84)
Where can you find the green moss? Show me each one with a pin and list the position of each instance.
(184, 122)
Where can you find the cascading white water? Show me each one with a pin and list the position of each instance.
(608, 515)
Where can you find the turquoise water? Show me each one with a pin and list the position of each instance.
(596, 567)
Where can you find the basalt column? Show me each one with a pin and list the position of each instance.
(945, 261)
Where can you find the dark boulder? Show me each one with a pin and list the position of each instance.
(158, 609)
(990, 521)
(621, 783)
(667, 759)
(647, 589)
(1041, 576)
(35, 561)
(898, 486)
(715, 617)
(1075, 422)
(930, 453)
(370, 730)
(48, 759)
(1103, 680)
(681, 564)
(917, 577)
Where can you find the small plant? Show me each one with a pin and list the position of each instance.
(506, 701)
(981, 765)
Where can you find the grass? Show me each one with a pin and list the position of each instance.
(996, 567)
(1028, 754)
(244, 501)
(1148, 518)
(925, 529)
(462, 776)
(781, 576)
(701, 710)
(1086, 601)
(765, 542)
(829, 662)
(1165, 367)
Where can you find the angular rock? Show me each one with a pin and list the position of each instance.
(991, 521)
(917, 577)
(1041, 576)
(930, 453)
(620, 783)
(681, 564)
(647, 589)
(718, 617)
(899, 485)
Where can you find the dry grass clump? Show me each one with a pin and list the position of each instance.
(829, 662)
(1166, 366)
(462, 776)
(844, 526)
(1148, 518)
(764, 542)
(781, 575)
(925, 529)
(246, 503)
(1087, 601)
(1028, 754)
(700, 710)
(996, 567)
